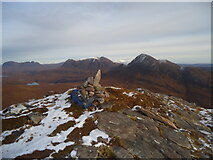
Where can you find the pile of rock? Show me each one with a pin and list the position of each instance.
(92, 88)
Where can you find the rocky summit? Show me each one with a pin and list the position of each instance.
(124, 124)
(92, 91)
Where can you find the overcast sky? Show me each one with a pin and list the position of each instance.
(54, 32)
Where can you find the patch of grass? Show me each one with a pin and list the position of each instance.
(62, 127)
(63, 153)
(14, 123)
(116, 141)
(69, 92)
(105, 152)
(40, 110)
(121, 101)
(75, 109)
(134, 118)
(12, 137)
(36, 154)
(77, 134)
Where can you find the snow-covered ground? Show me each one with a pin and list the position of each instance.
(94, 134)
(207, 117)
(37, 137)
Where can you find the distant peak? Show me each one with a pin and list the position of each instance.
(143, 58)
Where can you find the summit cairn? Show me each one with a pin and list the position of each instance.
(92, 89)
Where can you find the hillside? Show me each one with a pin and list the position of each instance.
(163, 76)
(130, 124)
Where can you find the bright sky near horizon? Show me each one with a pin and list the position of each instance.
(54, 32)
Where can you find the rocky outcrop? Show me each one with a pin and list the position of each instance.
(92, 89)
(14, 110)
(36, 117)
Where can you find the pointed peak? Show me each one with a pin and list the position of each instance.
(142, 58)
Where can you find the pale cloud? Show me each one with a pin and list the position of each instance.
(50, 32)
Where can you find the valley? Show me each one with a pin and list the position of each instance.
(189, 83)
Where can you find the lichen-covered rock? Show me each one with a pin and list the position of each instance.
(86, 152)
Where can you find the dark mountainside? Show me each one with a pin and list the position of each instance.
(120, 123)
(161, 76)
(12, 67)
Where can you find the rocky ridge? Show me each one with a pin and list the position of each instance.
(128, 124)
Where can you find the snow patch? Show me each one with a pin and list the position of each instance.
(73, 154)
(204, 144)
(94, 134)
(41, 133)
(113, 87)
(156, 141)
(206, 117)
(130, 94)
(17, 109)
(139, 118)
(140, 90)
(205, 132)
(135, 108)
(140, 58)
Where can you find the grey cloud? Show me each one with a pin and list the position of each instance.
(77, 30)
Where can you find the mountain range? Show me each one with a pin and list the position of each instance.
(162, 76)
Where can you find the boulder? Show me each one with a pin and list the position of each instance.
(90, 89)
(90, 80)
(84, 92)
(16, 109)
(36, 117)
(86, 151)
(106, 94)
(100, 95)
(97, 78)
(91, 94)
(85, 84)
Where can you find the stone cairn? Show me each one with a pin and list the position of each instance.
(92, 88)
